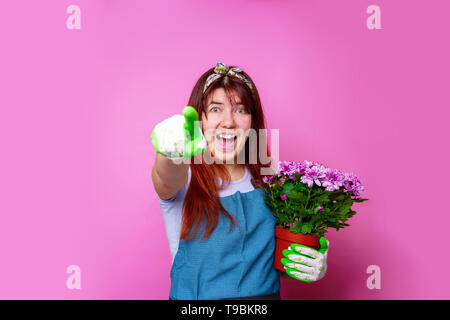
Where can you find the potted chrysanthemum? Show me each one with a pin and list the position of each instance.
(307, 198)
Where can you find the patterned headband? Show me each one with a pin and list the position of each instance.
(222, 70)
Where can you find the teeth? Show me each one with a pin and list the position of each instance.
(226, 136)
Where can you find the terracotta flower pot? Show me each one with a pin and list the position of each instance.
(284, 238)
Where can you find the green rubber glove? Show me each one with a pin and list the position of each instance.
(304, 263)
(179, 136)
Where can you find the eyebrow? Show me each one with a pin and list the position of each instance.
(215, 102)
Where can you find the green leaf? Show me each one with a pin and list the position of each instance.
(287, 187)
(296, 196)
(302, 205)
(296, 228)
(301, 187)
(360, 200)
(320, 198)
(306, 228)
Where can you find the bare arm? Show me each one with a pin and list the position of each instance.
(168, 178)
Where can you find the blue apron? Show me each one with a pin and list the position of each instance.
(229, 264)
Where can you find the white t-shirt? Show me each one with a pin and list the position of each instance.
(172, 209)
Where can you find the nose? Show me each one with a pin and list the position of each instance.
(228, 120)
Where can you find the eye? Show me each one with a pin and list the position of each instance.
(242, 110)
(214, 108)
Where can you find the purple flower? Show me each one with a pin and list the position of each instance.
(333, 180)
(267, 179)
(284, 196)
(352, 183)
(296, 168)
(283, 167)
(320, 208)
(314, 174)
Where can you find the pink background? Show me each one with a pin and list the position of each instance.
(78, 108)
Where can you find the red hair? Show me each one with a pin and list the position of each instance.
(202, 202)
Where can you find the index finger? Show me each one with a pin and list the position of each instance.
(190, 116)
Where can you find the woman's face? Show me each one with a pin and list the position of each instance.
(225, 125)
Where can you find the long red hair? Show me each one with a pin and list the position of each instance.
(202, 202)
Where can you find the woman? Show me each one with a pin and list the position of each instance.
(220, 232)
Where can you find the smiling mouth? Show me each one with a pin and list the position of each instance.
(226, 142)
